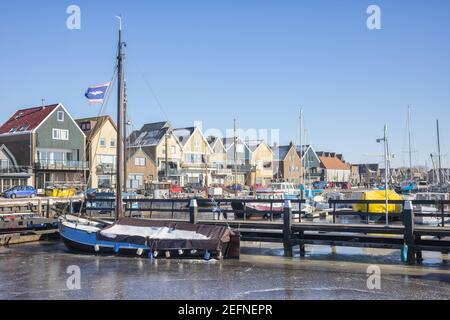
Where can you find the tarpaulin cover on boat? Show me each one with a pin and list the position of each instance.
(164, 235)
(379, 208)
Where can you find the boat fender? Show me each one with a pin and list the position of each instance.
(193, 251)
(168, 254)
(97, 248)
(207, 256)
(155, 254)
(180, 252)
(140, 251)
(116, 248)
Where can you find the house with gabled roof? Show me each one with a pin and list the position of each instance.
(197, 151)
(287, 164)
(141, 169)
(311, 163)
(48, 140)
(218, 160)
(334, 169)
(154, 139)
(101, 149)
(238, 160)
(262, 158)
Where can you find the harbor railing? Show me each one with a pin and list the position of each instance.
(283, 221)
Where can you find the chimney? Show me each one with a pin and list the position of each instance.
(198, 124)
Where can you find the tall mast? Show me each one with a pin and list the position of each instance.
(409, 143)
(125, 123)
(439, 150)
(120, 110)
(302, 180)
(235, 159)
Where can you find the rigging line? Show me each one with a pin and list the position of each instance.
(102, 110)
(149, 86)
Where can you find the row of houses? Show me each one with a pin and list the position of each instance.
(45, 146)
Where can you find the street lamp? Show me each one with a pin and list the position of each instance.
(386, 165)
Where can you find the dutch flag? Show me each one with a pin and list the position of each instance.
(97, 94)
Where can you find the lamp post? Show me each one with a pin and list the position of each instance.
(386, 174)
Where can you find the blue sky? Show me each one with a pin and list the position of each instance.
(256, 60)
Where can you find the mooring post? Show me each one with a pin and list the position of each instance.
(39, 208)
(409, 243)
(287, 229)
(47, 215)
(193, 211)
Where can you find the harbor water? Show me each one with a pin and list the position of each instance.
(43, 271)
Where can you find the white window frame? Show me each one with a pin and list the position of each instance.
(102, 142)
(140, 162)
(60, 134)
(60, 116)
(113, 143)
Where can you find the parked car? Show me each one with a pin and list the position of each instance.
(20, 192)
(237, 187)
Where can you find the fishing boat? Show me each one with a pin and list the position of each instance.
(138, 237)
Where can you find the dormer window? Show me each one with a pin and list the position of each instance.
(60, 116)
(86, 126)
(24, 128)
(13, 130)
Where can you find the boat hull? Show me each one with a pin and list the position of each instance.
(82, 241)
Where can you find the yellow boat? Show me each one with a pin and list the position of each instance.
(379, 208)
(60, 192)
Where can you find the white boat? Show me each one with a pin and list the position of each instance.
(427, 209)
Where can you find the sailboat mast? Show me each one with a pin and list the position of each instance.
(302, 181)
(409, 143)
(235, 158)
(125, 123)
(439, 150)
(120, 113)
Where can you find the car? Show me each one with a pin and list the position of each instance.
(237, 187)
(20, 192)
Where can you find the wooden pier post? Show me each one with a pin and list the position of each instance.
(409, 241)
(193, 211)
(39, 208)
(287, 229)
(47, 215)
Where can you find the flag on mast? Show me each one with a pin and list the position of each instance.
(97, 94)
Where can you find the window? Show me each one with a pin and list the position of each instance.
(112, 143)
(197, 145)
(102, 142)
(86, 126)
(13, 130)
(60, 116)
(60, 134)
(174, 150)
(140, 162)
(24, 128)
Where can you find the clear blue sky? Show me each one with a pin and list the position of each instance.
(255, 60)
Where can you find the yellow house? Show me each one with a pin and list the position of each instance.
(101, 144)
(262, 159)
(196, 164)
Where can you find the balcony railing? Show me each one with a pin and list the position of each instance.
(246, 168)
(61, 165)
(105, 169)
(16, 170)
